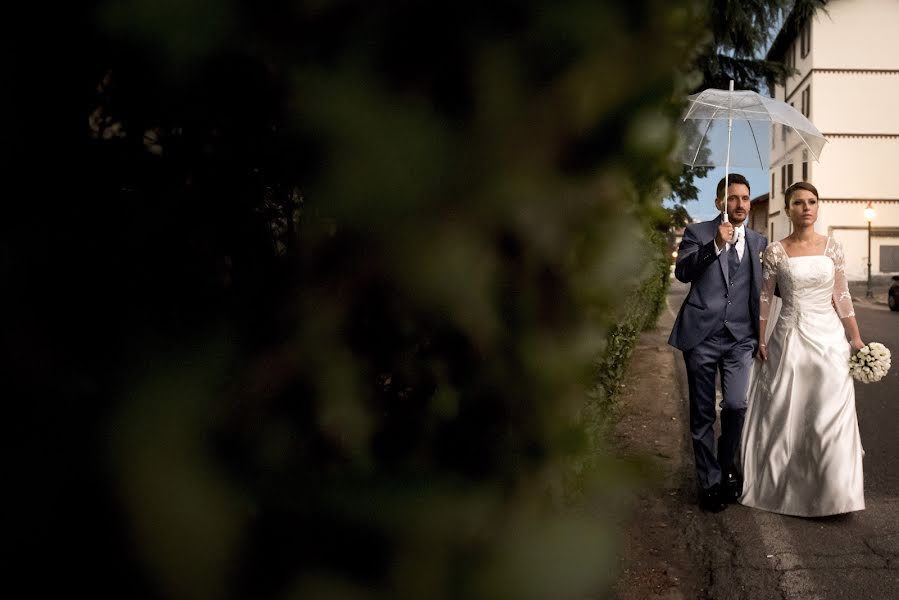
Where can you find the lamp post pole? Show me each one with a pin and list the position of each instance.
(869, 216)
(869, 293)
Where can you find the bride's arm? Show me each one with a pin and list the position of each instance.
(842, 299)
(851, 328)
(769, 281)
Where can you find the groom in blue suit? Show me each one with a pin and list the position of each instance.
(717, 329)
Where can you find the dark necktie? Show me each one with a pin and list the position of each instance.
(733, 260)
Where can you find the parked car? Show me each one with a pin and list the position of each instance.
(893, 294)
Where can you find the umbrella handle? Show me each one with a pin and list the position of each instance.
(730, 124)
(724, 218)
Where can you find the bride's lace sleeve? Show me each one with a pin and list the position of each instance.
(770, 262)
(842, 300)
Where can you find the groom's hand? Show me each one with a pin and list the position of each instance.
(724, 235)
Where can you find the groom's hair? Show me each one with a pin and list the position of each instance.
(799, 185)
(732, 178)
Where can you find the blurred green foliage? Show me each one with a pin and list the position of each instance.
(642, 307)
(309, 295)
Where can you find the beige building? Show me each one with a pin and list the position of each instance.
(848, 86)
(758, 215)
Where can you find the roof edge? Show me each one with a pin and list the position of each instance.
(799, 15)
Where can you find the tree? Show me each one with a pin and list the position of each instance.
(738, 37)
(679, 216)
(740, 34)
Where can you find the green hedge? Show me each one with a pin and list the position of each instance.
(643, 306)
(325, 324)
(643, 302)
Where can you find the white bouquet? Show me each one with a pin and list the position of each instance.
(870, 363)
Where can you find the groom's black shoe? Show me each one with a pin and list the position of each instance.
(732, 487)
(710, 500)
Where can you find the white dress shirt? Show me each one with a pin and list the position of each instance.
(739, 240)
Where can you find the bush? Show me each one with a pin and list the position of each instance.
(318, 288)
(643, 304)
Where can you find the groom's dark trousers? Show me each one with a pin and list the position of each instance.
(717, 331)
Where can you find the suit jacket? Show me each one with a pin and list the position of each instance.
(706, 271)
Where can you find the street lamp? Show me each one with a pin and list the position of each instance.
(869, 216)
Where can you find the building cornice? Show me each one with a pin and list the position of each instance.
(782, 158)
(860, 71)
(861, 200)
(862, 135)
(799, 85)
(885, 231)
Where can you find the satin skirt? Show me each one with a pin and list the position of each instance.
(801, 448)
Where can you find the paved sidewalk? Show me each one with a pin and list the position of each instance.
(879, 286)
(661, 557)
(674, 551)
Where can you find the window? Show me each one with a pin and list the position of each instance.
(805, 171)
(805, 41)
(772, 185)
(790, 58)
(807, 101)
(786, 176)
(771, 235)
(889, 259)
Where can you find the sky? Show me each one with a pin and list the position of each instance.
(749, 149)
(703, 208)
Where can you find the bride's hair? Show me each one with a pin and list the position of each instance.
(799, 185)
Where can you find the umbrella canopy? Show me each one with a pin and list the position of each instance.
(734, 128)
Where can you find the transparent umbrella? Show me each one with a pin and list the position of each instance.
(734, 128)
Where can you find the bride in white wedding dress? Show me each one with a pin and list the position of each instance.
(801, 450)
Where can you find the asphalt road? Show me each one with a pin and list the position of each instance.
(751, 554)
(878, 405)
